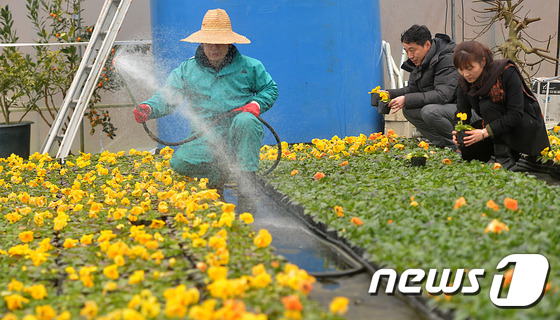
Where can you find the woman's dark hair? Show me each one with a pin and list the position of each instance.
(416, 34)
(471, 51)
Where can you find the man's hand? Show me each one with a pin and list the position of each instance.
(252, 107)
(142, 113)
(397, 104)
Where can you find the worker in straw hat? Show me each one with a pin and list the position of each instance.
(218, 79)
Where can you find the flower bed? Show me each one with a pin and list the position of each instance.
(447, 214)
(116, 236)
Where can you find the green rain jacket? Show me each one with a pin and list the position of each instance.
(210, 93)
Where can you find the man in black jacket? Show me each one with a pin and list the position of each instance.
(429, 100)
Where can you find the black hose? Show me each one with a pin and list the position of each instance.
(353, 255)
(278, 143)
(215, 121)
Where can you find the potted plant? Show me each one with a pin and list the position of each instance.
(35, 82)
(16, 85)
(375, 96)
(380, 99)
(419, 156)
(461, 128)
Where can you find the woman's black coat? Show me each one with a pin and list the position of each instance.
(518, 122)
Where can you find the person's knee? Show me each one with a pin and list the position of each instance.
(409, 114)
(430, 112)
(179, 165)
(246, 122)
(245, 119)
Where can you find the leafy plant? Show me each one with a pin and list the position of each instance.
(383, 95)
(417, 153)
(552, 153)
(111, 234)
(460, 126)
(442, 216)
(57, 68)
(38, 82)
(16, 80)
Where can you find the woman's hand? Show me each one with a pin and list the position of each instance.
(474, 136)
(454, 133)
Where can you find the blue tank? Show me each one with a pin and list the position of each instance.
(324, 55)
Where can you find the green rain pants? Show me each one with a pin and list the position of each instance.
(242, 148)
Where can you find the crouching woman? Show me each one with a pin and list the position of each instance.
(512, 122)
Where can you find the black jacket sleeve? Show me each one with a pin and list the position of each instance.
(443, 92)
(436, 85)
(514, 102)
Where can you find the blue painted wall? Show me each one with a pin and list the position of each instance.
(324, 55)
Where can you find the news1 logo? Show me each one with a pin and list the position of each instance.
(526, 289)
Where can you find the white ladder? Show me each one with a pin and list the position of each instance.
(82, 87)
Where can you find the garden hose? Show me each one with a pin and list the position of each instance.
(215, 120)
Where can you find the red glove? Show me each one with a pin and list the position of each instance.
(251, 107)
(142, 113)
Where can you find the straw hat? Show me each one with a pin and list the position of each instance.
(216, 29)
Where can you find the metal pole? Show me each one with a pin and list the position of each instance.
(82, 142)
(453, 20)
(557, 41)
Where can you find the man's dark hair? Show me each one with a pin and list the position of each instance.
(416, 34)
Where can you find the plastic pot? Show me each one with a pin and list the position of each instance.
(461, 138)
(15, 138)
(383, 107)
(418, 161)
(375, 99)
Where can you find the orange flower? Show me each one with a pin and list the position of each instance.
(510, 204)
(412, 202)
(294, 172)
(374, 136)
(318, 176)
(339, 211)
(496, 226)
(343, 163)
(492, 205)
(497, 165)
(26, 236)
(69, 243)
(446, 161)
(201, 266)
(292, 302)
(390, 221)
(357, 221)
(507, 278)
(460, 202)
